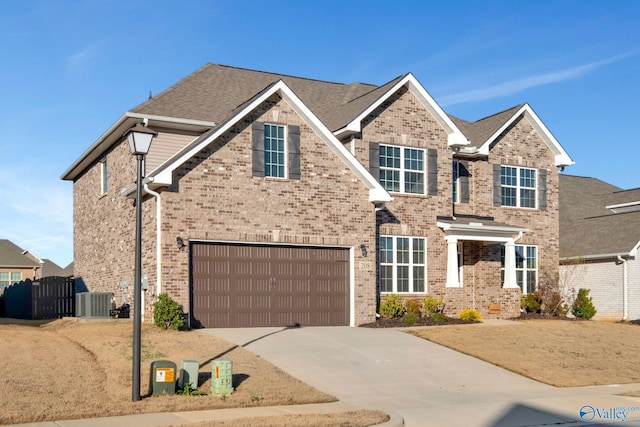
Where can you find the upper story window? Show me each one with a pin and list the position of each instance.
(460, 180)
(526, 267)
(403, 264)
(276, 150)
(104, 183)
(402, 170)
(519, 186)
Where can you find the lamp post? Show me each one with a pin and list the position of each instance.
(139, 138)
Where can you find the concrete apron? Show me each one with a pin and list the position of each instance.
(425, 383)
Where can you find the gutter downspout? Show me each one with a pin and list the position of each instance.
(624, 287)
(158, 238)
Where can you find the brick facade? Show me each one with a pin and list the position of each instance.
(215, 197)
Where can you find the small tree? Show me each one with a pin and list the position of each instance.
(167, 313)
(583, 305)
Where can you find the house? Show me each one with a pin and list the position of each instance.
(17, 264)
(599, 240)
(279, 200)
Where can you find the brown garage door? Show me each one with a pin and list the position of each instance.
(254, 285)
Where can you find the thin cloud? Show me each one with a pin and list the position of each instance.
(519, 85)
(79, 62)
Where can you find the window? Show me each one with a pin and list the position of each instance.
(9, 278)
(403, 264)
(526, 267)
(518, 186)
(274, 151)
(456, 181)
(402, 169)
(103, 176)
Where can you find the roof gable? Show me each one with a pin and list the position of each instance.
(383, 93)
(525, 111)
(164, 173)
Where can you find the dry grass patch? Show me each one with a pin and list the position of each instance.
(556, 352)
(72, 369)
(361, 418)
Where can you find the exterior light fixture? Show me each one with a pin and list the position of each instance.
(363, 248)
(139, 138)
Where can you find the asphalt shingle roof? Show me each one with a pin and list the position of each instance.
(11, 255)
(587, 227)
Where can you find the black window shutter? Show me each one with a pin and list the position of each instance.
(374, 160)
(293, 146)
(257, 145)
(497, 185)
(432, 170)
(463, 174)
(542, 189)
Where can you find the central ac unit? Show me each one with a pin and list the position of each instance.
(93, 304)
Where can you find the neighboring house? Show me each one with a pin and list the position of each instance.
(276, 200)
(50, 268)
(17, 264)
(599, 240)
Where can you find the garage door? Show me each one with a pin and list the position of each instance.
(262, 285)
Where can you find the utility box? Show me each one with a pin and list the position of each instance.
(163, 377)
(93, 304)
(221, 377)
(189, 373)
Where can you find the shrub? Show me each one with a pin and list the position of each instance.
(392, 306)
(531, 303)
(410, 318)
(413, 306)
(583, 305)
(431, 305)
(167, 313)
(470, 315)
(438, 318)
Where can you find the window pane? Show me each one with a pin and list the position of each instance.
(519, 280)
(414, 159)
(386, 250)
(418, 279)
(528, 178)
(403, 250)
(414, 183)
(386, 278)
(455, 181)
(16, 276)
(389, 157)
(508, 196)
(519, 256)
(527, 198)
(509, 176)
(418, 251)
(531, 281)
(532, 257)
(403, 279)
(390, 180)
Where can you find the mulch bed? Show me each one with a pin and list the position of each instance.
(425, 321)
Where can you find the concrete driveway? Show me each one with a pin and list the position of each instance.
(424, 383)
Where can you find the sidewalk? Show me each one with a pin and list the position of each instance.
(180, 418)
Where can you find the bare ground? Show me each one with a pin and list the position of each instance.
(71, 368)
(557, 352)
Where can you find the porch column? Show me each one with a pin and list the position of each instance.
(510, 264)
(453, 281)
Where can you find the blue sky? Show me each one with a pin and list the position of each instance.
(69, 69)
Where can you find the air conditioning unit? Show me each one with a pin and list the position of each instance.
(93, 304)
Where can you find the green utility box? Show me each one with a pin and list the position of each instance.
(189, 373)
(163, 377)
(221, 377)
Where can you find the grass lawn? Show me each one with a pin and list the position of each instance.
(558, 352)
(70, 369)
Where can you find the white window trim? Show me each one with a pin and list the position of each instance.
(286, 153)
(403, 170)
(519, 187)
(394, 264)
(524, 268)
(455, 175)
(104, 176)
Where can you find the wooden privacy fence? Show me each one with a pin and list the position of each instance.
(47, 298)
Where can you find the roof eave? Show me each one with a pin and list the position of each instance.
(119, 128)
